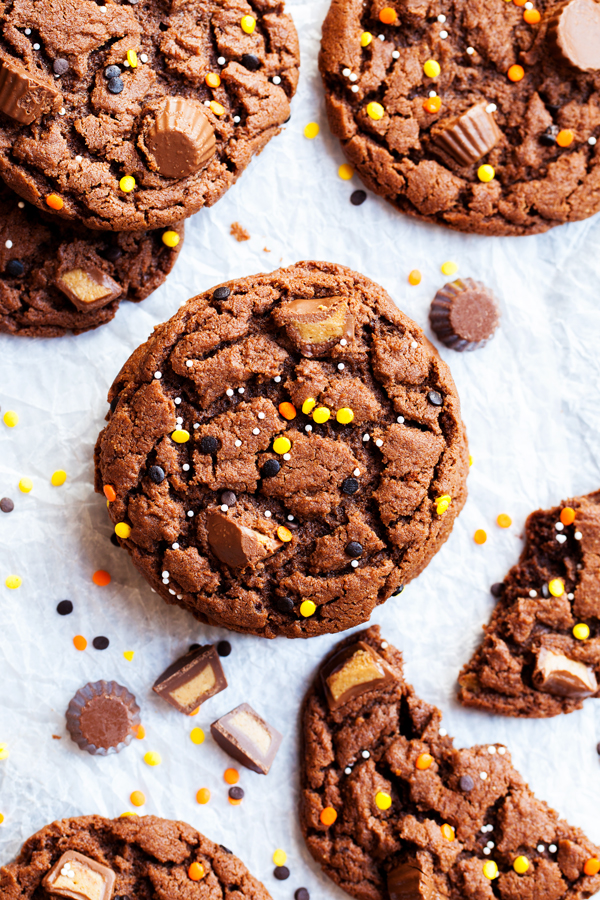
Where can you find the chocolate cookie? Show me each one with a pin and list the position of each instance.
(476, 115)
(129, 117)
(91, 858)
(285, 453)
(55, 278)
(390, 809)
(541, 651)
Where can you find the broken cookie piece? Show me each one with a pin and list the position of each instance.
(555, 673)
(192, 679)
(406, 881)
(246, 737)
(352, 672)
(237, 545)
(79, 877)
(316, 324)
(88, 288)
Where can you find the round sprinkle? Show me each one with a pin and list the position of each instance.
(101, 577)
(516, 73)
(60, 66)
(279, 857)
(365, 754)
(25, 485)
(521, 865)
(137, 798)
(388, 15)
(231, 776)
(208, 444)
(442, 504)
(365, 39)
(375, 111)
(592, 866)
(328, 815)
(109, 493)
(345, 172)
(321, 415)
(203, 796)
(414, 277)
(565, 137)
(196, 871)
(79, 642)
(156, 474)
(213, 80)
(344, 415)
(122, 530)
(532, 16)
(483, 776)
(578, 535)
(448, 832)
(556, 586)
(504, 521)
(287, 410)
(432, 104)
(423, 761)
(301, 894)
(284, 534)
(490, 869)
(55, 202)
(282, 445)
(307, 608)
(383, 800)
(248, 24)
(432, 68)
(357, 198)
(112, 72)
(435, 398)
(567, 515)
(480, 537)
(170, 239)
(10, 418)
(270, 468)
(152, 758)
(486, 173)
(466, 783)
(216, 108)
(58, 478)
(197, 736)
(281, 873)
(308, 405)
(284, 604)
(581, 631)
(350, 485)
(449, 268)
(127, 184)
(100, 642)
(223, 648)
(4, 751)
(64, 608)
(132, 58)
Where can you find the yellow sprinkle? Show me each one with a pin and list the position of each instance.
(170, 238)
(279, 857)
(470, 461)
(486, 173)
(248, 24)
(132, 58)
(128, 654)
(490, 869)
(556, 587)
(125, 814)
(307, 608)
(308, 405)
(311, 130)
(321, 414)
(4, 751)
(216, 108)
(1, 818)
(152, 758)
(282, 445)
(344, 415)
(442, 504)
(432, 68)
(10, 418)
(284, 534)
(197, 736)
(127, 183)
(383, 800)
(122, 530)
(375, 110)
(25, 485)
(366, 38)
(521, 865)
(345, 172)
(180, 436)
(581, 631)
(449, 268)
(13, 582)
(59, 477)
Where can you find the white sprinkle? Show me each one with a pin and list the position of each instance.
(384, 646)
(165, 581)
(236, 119)
(268, 513)
(432, 94)
(354, 89)
(190, 513)
(487, 851)
(62, 111)
(102, 8)
(501, 751)
(356, 472)
(353, 77)
(28, 31)
(491, 845)
(343, 342)
(491, 749)
(552, 848)
(287, 457)
(483, 776)
(196, 425)
(21, 205)
(180, 596)
(414, 344)
(483, 829)
(533, 593)
(36, 46)
(179, 420)
(224, 507)
(256, 431)
(578, 535)
(341, 366)
(277, 379)
(366, 437)
(592, 141)
(570, 596)
(346, 72)
(8, 244)
(470, 51)
(290, 518)
(186, 467)
(354, 563)
(540, 848)
(241, 390)
(238, 443)
(175, 546)
(158, 374)
(491, 107)
(207, 102)
(561, 538)
(442, 732)
(400, 420)
(276, 79)
(144, 57)
(189, 363)
(559, 526)
(308, 427)
(395, 54)
(221, 61)
(443, 35)
(365, 754)
(79, 159)
(529, 5)
(153, 591)
(171, 591)
(229, 392)
(347, 770)
(261, 415)
(177, 400)
(165, 574)
(126, 64)
(379, 442)
(381, 37)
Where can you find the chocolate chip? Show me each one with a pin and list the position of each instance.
(547, 139)
(156, 474)
(236, 793)
(223, 648)
(115, 85)
(250, 61)
(209, 444)
(112, 72)
(435, 398)
(100, 642)
(301, 894)
(552, 109)
(545, 591)
(284, 604)
(228, 498)
(14, 267)
(353, 549)
(270, 468)
(113, 403)
(497, 589)
(114, 540)
(281, 873)
(6, 505)
(112, 254)
(194, 647)
(466, 783)
(357, 198)
(60, 66)
(350, 485)
(64, 608)
(225, 849)
(398, 590)
(221, 293)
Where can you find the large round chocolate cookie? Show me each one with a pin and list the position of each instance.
(536, 135)
(96, 858)
(133, 116)
(55, 278)
(284, 453)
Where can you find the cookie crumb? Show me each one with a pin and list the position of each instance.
(239, 232)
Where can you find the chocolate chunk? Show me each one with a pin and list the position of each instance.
(357, 198)
(235, 544)
(80, 878)
(555, 673)
(64, 608)
(284, 604)
(112, 254)
(60, 66)
(270, 468)
(102, 717)
(223, 648)
(14, 267)
(406, 881)
(157, 474)
(251, 62)
(352, 672)
(575, 34)
(246, 737)
(88, 288)
(209, 444)
(350, 485)
(464, 314)
(281, 873)
(6, 505)
(466, 783)
(24, 96)
(192, 679)
(316, 324)
(468, 137)
(497, 589)
(221, 293)
(353, 549)
(180, 140)
(228, 498)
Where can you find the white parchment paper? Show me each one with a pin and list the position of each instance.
(531, 404)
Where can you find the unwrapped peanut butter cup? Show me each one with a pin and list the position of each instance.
(180, 139)
(574, 32)
(103, 717)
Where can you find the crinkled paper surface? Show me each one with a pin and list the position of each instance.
(531, 404)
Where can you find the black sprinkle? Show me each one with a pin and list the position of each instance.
(194, 647)
(112, 72)
(228, 498)
(60, 66)
(14, 267)
(545, 591)
(116, 85)
(466, 783)
(221, 293)
(112, 254)
(113, 403)
(357, 198)
(598, 749)
(497, 589)
(6, 505)
(236, 793)
(100, 642)
(301, 894)
(156, 474)
(284, 604)
(223, 648)
(350, 485)
(353, 549)
(114, 540)
(281, 873)
(225, 849)
(250, 61)
(209, 444)
(64, 608)
(270, 468)
(398, 590)
(548, 140)
(435, 398)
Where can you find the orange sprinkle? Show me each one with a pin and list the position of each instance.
(231, 776)
(54, 201)
(388, 15)
(109, 493)
(284, 534)
(213, 80)
(592, 866)
(531, 16)
(195, 712)
(480, 537)
(516, 73)
(328, 815)
(287, 410)
(520, 2)
(414, 277)
(101, 578)
(448, 832)
(140, 732)
(203, 796)
(504, 521)
(234, 802)
(567, 515)
(137, 798)
(79, 642)
(565, 138)
(432, 104)
(196, 871)
(424, 761)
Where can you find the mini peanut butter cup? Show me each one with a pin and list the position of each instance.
(103, 717)
(573, 31)
(180, 140)
(464, 314)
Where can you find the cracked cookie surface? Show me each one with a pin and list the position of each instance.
(284, 440)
